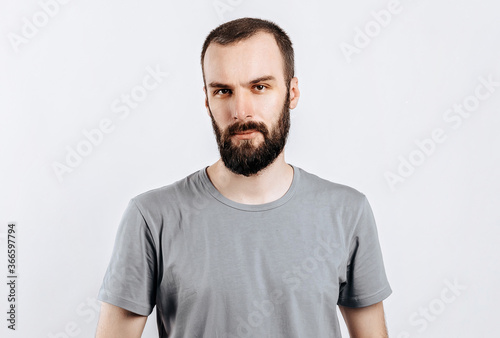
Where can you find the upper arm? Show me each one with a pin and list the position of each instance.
(115, 322)
(130, 281)
(364, 282)
(365, 322)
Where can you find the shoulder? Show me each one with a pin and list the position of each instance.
(168, 196)
(316, 186)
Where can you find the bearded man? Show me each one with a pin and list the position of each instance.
(250, 246)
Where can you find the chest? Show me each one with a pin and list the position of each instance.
(234, 260)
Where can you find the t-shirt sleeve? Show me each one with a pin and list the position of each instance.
(130, 279)
(366, 282)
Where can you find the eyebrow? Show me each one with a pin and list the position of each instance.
(257, 80)
(263, 78)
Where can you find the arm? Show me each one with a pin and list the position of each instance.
(115, 322)
(365, 322)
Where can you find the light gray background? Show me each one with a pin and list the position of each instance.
(357, 119)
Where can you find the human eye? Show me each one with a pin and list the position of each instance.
(222, 91)
(259, 87)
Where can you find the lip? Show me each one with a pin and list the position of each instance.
(248, 134)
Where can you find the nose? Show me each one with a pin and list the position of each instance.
(242, 105)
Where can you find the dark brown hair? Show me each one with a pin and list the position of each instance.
(244, 28)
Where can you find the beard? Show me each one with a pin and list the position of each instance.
(244, 158)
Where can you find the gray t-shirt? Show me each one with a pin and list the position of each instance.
(217, 268)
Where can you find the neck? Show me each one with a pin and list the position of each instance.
(266, 186)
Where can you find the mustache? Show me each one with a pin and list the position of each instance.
(250, 125)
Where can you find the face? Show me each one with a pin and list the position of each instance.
(249, 102)
(237, 148)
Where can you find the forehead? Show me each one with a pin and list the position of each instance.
(244, 60)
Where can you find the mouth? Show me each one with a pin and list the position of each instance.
(247, 134)
(247, 131)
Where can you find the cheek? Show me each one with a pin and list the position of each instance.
(269, 107)
(221, 113)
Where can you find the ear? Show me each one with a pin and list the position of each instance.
(206, 99)
(294, 92)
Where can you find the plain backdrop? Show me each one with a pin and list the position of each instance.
(400, 100)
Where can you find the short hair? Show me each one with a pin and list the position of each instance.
(244, 28)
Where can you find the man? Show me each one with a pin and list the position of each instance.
(250, 246)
